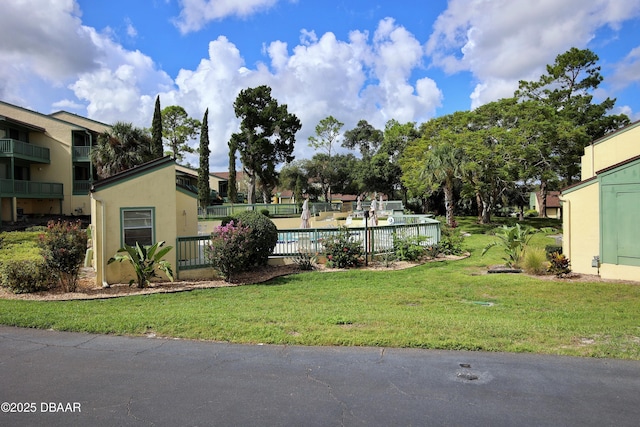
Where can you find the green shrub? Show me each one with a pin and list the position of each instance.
(19, 237)
(387, 259)
(559, 265)
(36, 228)
(63, 246)
(550, 249)
(432, 251)
(531, 213)
(342, 251)
(450, 240)
(535, 261)
(265, 212)
(25, 276)
(264, 236)
(305, 260)
(409, 248)
(227, 219)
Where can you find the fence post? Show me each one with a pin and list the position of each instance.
(366, 233)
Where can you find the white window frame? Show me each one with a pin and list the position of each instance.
(142, 223)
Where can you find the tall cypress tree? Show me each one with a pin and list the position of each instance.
(232, 189)
(204, 190)
(156, 131)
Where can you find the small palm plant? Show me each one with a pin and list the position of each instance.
(514, 240)
(144, 260)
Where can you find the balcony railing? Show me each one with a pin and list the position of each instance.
(275, 209)
(14, 148)
(81, 187)
(31, 189)
(81, 154)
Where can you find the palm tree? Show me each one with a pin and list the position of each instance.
(121, 148)
(442, 166)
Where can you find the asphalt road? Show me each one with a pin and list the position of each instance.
(64, 379)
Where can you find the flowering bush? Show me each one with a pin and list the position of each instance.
(63, 246)
(264, 236)
(342, 251)
(231, 249)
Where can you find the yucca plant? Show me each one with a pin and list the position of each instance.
(144, 260)
(514, 240)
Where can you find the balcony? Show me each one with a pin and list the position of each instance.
(81, 188)
(31, 189)
(22, 150)
(81, 154)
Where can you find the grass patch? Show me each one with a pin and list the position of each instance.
(442, 305)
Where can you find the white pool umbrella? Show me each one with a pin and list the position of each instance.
(306, 215)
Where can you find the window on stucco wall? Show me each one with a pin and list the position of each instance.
(137, 226)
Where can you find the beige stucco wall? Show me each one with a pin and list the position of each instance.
(581, 227)
(553, 213)
(155, 189)
(620, 272)
(186, 214)
(602, 153)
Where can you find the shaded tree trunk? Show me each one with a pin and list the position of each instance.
(543, 199)
(479, 206)
(251, 191)
(448, 202)
(486, 211)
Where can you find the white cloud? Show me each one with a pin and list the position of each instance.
(124, 79)
(131, 30)
(195, 14)
(30, 51)
(308, 37)
(359, 78)
(67, 104)
(628, 111)
(53, 51)
(627, 71)
(503, 41)
(362, 77)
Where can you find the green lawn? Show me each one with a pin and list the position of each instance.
(442, 305)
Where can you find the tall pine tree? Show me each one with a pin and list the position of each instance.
(204, 190)
(156, 131)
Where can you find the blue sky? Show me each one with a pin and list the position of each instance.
(408, 60)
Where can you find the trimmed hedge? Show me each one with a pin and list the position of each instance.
(24, 276)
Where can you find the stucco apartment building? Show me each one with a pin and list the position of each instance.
(44, 162)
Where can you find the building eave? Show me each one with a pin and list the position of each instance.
(132, 173)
